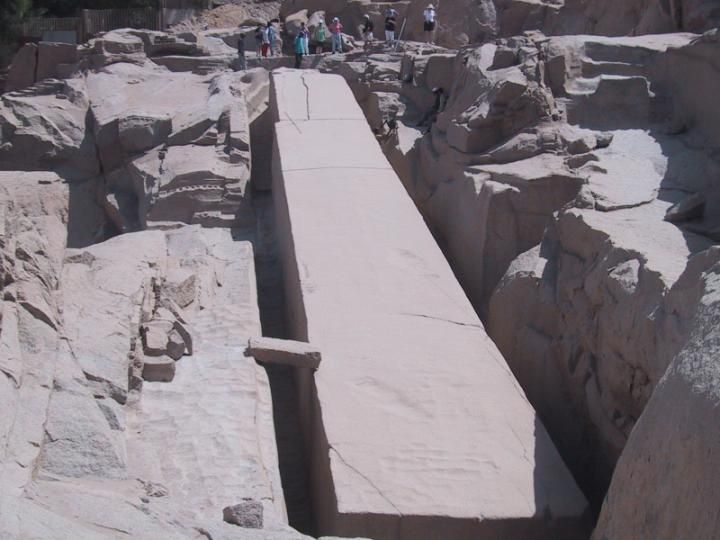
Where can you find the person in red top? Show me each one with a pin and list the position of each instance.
(336, 29)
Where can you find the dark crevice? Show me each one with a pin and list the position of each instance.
(294, 470)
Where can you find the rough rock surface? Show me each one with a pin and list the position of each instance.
(674, 444)
(105, 444)
(112, 347)
(607, 17)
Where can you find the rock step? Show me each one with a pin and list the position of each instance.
(614, 52)
(593, 68)
(584, 86)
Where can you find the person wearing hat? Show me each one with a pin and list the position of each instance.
(299, 48)
(336, 29)
(367, 30)
(429, 24)
(390, 22)
(319, 36)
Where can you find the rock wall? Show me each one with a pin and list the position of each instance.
(598, 316)
(461, 23)
(113, 346)
(671, 456)
(607, 18)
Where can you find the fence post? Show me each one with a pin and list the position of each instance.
(84, 23)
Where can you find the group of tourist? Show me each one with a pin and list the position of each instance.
(269, 42)
(267, 39)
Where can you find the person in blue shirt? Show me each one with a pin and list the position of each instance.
(299, 46)
(271, 37)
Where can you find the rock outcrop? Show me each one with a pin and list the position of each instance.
(112, 345)
(671, 456)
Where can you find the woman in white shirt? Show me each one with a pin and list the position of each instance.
(429, 24)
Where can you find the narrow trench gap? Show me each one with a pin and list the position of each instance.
(294, 470)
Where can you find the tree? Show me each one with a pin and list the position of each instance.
(13, 12)
(70, 8)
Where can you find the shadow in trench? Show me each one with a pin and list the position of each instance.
(283, 384)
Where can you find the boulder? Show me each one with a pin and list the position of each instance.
(691, 207)
(118, 42)
(158, 369)
(44, 127)
(156, 337)
(314, 19)
(247, 514)
(51, 56)
(668, 469)
(23, 68)
(294, 21)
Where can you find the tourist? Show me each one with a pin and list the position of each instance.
(241, 52)
(336, 29)
(429, 24)
(390, 22)
(299, 47)
(320, 36)
(367, 31)
(272, 37)
(259, 39)
(305, 38)
(265, 48)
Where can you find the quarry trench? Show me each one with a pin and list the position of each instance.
(283, 384)
(296, 431)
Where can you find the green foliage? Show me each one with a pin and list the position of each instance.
(70, 8)
(13, 12)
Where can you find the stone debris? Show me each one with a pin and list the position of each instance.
(284, 352)
(158, 368)
(247, 514)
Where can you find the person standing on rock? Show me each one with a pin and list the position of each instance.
(429, 24)
(241, 52)
(265, 40)
(259, 40)
(336, 29)
(390, 23)
(299, 48)
(320, 36)
(271, 36)
(367, 31)
(305, 38)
